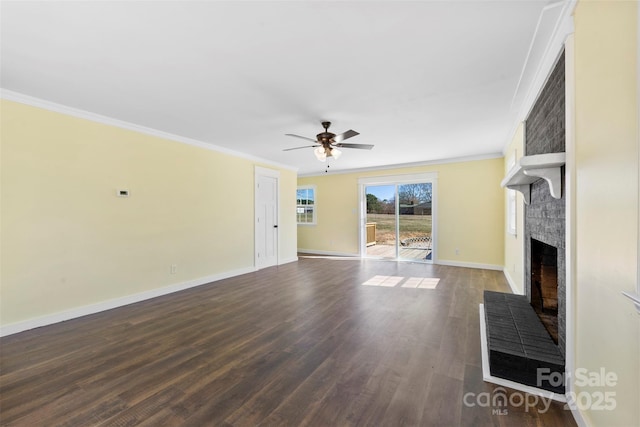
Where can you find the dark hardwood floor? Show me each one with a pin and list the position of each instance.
(301, 344)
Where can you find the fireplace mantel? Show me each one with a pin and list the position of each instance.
(529, 169)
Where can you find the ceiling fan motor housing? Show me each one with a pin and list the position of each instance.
(325, 137)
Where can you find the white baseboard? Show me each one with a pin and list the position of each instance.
(329, 253)
(287, 260)
(512, 283)
(469, 265)
(73, 313)
(486, 372)
(439, 262)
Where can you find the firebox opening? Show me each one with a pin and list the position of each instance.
(544, 285)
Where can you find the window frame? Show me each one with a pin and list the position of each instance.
(314, 205)
(512, 204)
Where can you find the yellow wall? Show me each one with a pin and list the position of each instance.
(470, 211)
(336, 215)
(68, 241)
(288, 243)
(606, 220)
(514, 244)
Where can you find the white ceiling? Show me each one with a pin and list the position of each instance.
(422, 80)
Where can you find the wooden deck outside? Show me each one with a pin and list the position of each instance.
(389, 251)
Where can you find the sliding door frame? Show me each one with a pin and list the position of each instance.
(414, 178)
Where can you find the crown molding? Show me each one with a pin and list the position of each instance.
(87, 115)
(408, 165)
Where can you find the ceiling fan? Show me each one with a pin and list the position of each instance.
(326, 143)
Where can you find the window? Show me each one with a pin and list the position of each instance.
(511, 201)
(511, 211)
(306, 205)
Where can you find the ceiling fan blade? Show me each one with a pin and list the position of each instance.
(297, 148)
(301, 137)
(348, 134)
(358, 146)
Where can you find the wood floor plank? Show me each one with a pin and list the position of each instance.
(440, 411)
(406, 406)
(472, 413)
(144, 410)
(309, 343)
(450, 360)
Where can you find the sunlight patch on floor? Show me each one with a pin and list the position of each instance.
(421, 282)
(387, 281)
(407, 282)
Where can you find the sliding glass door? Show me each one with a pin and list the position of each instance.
(415, 221)
(398, 218)
(381, 225)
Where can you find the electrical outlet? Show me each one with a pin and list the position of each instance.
(457, 251)
(174, 269)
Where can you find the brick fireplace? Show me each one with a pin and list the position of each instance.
(544, 285)
(544, 216)
(526, 334)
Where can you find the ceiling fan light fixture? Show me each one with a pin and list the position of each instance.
(326, 143)
(320, 154)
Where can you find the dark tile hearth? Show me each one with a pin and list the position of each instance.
(518, 342)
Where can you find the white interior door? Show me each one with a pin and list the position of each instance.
(266, 236)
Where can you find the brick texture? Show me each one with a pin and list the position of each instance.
(544, 128)
(545, 216)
